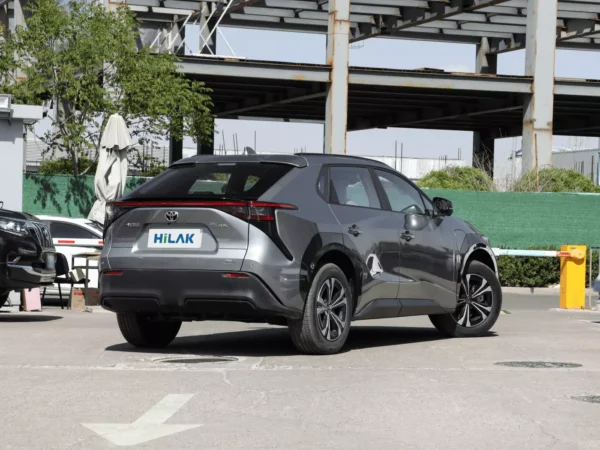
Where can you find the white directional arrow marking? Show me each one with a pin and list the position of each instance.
(148, 427)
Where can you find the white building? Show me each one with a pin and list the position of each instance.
(584, 161)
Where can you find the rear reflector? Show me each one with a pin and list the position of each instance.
(65, 241)
(112, 272)
(236, 275)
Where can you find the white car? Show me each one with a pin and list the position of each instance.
(73, 237)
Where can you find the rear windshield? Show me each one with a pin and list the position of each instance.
(247, 181)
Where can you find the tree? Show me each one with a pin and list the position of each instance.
(555, 180)
(459, 178)
(86, 60)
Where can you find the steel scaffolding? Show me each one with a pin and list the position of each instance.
(344, 98)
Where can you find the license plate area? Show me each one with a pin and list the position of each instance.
(175, 238)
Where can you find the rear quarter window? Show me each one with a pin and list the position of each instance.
(246, 181)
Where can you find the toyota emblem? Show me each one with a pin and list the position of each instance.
(172, 216)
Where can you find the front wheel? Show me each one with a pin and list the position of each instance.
(324, 328)
(478, 307)
(144, 332)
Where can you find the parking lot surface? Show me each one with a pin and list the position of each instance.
(70, 382)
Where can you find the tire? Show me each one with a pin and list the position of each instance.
(140, 331)
(472, 323)
(3, 297)
(311, 334)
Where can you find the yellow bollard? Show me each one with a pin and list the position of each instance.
(572, 276)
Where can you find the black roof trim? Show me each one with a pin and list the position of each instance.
(342, 158)
(292, 160)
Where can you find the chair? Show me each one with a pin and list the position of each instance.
(63, 276)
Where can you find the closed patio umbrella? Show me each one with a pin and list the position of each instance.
(111, 173)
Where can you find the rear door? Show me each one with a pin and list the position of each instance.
(427, 253)
(191, 217)
(369, 232)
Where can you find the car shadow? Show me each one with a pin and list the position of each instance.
(270, 342)
(8, 317)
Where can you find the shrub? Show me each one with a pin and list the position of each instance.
(555, 180)
(64, 166)
(458, 178)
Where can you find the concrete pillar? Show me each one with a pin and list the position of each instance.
(483, 152)
(4, 23)
(211, 42)
(539, 64)
(12, 148)
(207, 148)
(483, 141)
(175, 149)
(178, 36)
(338, 55)
(486, 63)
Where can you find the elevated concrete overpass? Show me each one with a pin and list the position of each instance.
(343, 98)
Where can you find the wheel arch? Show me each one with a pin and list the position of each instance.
(341, 259)
(481, 253)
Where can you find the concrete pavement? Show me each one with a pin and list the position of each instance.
(398, 385)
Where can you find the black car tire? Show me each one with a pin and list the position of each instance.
(3, 297)
(307, 333)
(448, 325)
(141, 331)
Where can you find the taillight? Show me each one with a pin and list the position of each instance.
(262, 216)
(264, 211)
(114, 210)
(250, 211)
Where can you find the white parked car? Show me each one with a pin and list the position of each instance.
(72, 237)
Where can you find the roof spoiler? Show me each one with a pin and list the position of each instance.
(293, 160)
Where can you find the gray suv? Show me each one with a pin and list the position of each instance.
(310, 241)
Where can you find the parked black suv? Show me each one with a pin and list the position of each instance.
(27, 255)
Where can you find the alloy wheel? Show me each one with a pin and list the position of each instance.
(332, 309)
(475, 303)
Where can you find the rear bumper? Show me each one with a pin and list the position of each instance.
(191, 294)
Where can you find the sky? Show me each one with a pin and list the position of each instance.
(381, 53)
(377, 53)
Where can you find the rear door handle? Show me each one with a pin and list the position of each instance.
(354, 230)
(407, 236)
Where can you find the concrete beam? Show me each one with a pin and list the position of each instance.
(539, 64)
(338, 56)
(416, 15)
(484, 143)
(250, 69)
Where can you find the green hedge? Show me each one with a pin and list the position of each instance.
(519, 271)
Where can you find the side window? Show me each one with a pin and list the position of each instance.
(353, 186)
(61, 230)
(403, 197)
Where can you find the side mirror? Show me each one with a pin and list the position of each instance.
(442, 207)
